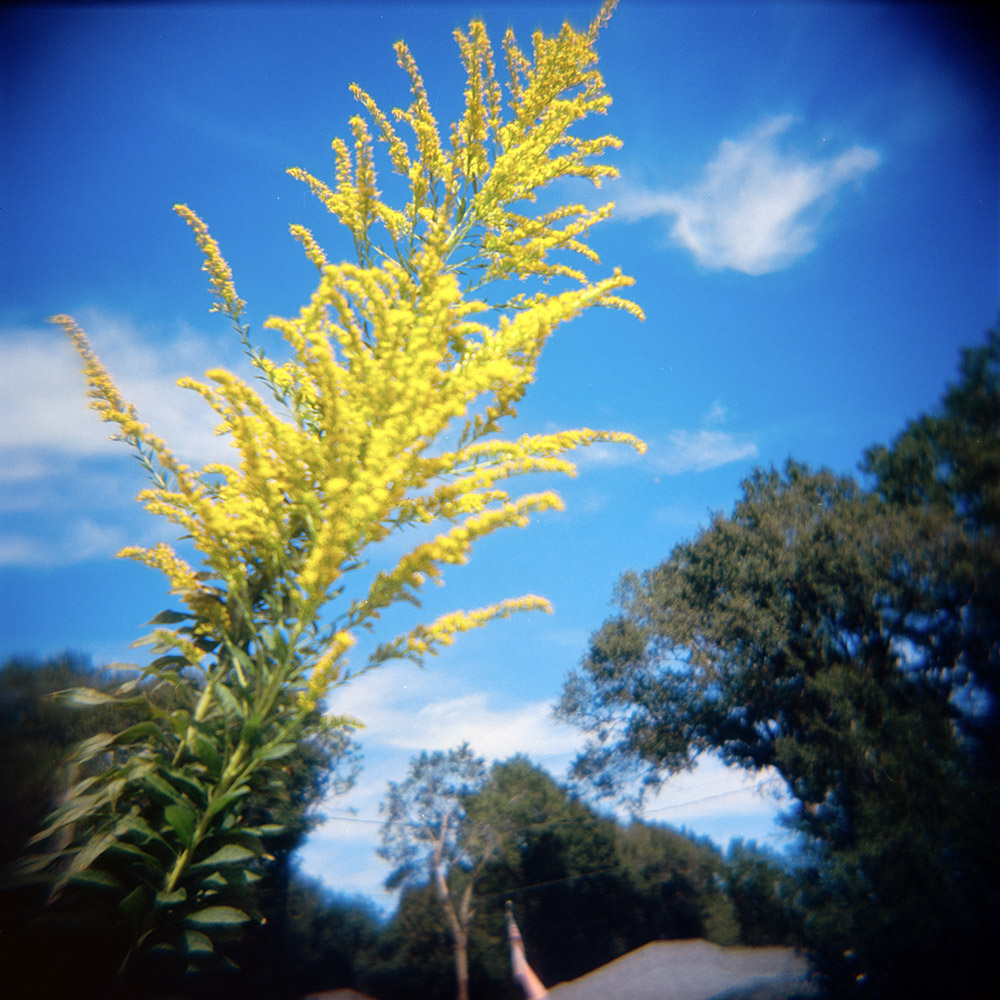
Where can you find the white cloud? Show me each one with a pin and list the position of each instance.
(404, 708)
(716, 415)
(712, 789)
(56, 456)
(757, 208)
(74, 541)
(607, 453)
(43, 407)
(699, 451)
(43, 404)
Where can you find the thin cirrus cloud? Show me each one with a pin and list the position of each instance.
(701, 450)
(757, 208)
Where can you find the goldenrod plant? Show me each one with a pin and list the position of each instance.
(401, 371)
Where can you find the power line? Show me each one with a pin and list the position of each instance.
(757, 786)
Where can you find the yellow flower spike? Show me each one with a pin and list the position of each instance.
(398, 152)
(326, 672)
(313, 250)
(427, 639)
(215, 265)
(388, 411)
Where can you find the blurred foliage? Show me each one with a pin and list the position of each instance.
(586, 888)
(69, 948)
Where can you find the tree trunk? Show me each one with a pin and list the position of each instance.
(462, 964)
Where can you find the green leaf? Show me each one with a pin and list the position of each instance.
(141, 828)
(94, 878)
(205, 751)
(146, 640)
(124, 667)
(179, 721)
(83, 696)
(123, 848)
(272, 829)
(223, 803)
(161, 790)
(69, 812)
(229, 701)
(231, 854)
(197, 943)
(218, 915)
(91, 747)
(90, 852)
(139, 731)
(168, 618)
(134, 904)
(182, 819)
(170, 661)
(168, 899)
(274, 751)
(192, 789)
(241, 658)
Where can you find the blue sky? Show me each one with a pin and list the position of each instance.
(808, 202)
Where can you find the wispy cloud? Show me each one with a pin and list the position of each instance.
(81, 539)
(44, 408)
(407, 709)
(711, 789)
(701, 450)
(56, 456)
(758, 207)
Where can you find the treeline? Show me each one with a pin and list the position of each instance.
(585, 888)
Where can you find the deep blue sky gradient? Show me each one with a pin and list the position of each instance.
(112, 114)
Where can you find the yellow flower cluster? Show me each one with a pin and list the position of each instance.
(394, 352)
(215, 265)
(426, 639)
(463, 199)
(327, 670)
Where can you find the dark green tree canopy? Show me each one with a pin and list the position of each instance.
(847, 637)
(771, 638)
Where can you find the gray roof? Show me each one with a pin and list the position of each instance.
(692, 970)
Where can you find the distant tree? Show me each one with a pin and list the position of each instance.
(586, 888)
(677, 882)
(763, 893)
(557, 862)
(428, 838)
(415, 955)
(848, 639)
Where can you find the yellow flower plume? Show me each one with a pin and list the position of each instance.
(417, 339)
